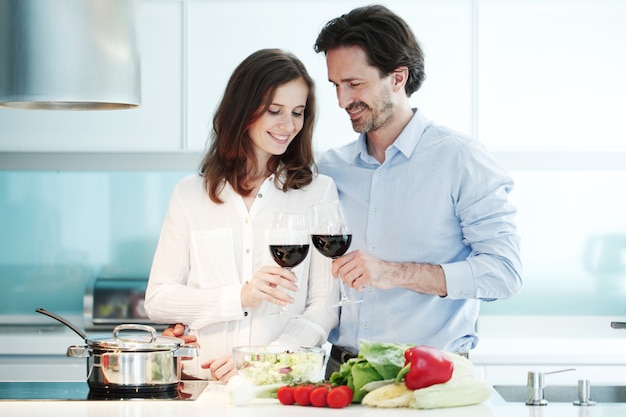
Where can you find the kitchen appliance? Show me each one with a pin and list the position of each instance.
(69, 54)
(143, 363)
(112, 301)
(80, 391)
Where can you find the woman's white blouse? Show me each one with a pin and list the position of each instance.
(207, 252)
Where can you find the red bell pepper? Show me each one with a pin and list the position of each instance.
(425, 366)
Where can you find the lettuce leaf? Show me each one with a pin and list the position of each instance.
(375, 362)
(386, 358)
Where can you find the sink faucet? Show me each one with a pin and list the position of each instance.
(618, 325)
(536, 385)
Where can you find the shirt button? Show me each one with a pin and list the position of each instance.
(365, 325)
(247, 250)
(245, 313)
(260, 195)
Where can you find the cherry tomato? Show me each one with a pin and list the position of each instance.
(285, 394)
(339, 397)
(348, 391)
(302, 394)
(318, 397)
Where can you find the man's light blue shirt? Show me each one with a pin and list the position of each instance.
(439, 198)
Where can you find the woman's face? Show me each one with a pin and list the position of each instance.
(272, 133)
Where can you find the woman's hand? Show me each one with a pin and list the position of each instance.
(268, 284)
(222, 368)
(178, 330)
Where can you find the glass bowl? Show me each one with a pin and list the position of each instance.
(267, 365)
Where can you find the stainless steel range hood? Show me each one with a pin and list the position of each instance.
(69, 54)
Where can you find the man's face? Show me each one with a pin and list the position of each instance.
(360, 89)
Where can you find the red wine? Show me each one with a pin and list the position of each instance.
(289, 256)
(332, 246)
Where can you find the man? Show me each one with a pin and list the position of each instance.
(433, 232)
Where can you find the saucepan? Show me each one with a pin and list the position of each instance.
(134, 359)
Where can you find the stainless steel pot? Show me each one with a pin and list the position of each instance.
(151, 363)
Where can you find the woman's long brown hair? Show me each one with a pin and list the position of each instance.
(249, 92)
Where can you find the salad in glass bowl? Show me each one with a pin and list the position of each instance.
(270, 365)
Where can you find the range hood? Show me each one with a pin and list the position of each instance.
(69, 54)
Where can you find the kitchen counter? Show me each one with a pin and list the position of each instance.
(213, 402)
(509, 347)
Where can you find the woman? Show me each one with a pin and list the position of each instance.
(212, 268)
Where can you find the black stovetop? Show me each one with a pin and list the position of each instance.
(79, 391)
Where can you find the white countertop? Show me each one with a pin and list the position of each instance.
(213, 402)
(518, 341)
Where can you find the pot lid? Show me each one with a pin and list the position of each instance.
(147, 341)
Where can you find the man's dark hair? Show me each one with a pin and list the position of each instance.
(385, 37)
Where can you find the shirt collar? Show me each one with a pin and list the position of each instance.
(405, 142)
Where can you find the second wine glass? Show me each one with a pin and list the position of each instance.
(289, 243)
(332, 236)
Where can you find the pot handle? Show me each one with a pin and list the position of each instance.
(186, 351)
(149, 329)
(78, 352)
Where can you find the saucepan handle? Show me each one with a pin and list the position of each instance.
(78, 352)
(149, 329)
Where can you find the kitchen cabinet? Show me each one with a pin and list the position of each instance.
(42, 368)
(38, 352)
(189, 48)
(217, 44)
(157, 125)
(511, 346)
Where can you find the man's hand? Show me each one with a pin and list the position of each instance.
(358, 269)
(266, 285)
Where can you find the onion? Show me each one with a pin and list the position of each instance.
(240, 390)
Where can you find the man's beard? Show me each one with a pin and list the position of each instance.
(372, 120)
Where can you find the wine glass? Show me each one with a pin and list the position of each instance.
(289, 243)
(332, 236)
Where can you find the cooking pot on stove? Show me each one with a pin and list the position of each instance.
(150, 363)
(137, 361)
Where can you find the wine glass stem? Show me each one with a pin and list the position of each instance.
(342, 290)
(285, 310)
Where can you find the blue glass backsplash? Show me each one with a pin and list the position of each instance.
(61, 230)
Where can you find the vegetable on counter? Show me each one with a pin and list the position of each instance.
(425, 366)
(462, 389)
(457, 392)
(375, 362)
(316, 395)
(241, 391)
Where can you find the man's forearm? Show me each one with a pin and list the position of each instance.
(423, 278)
